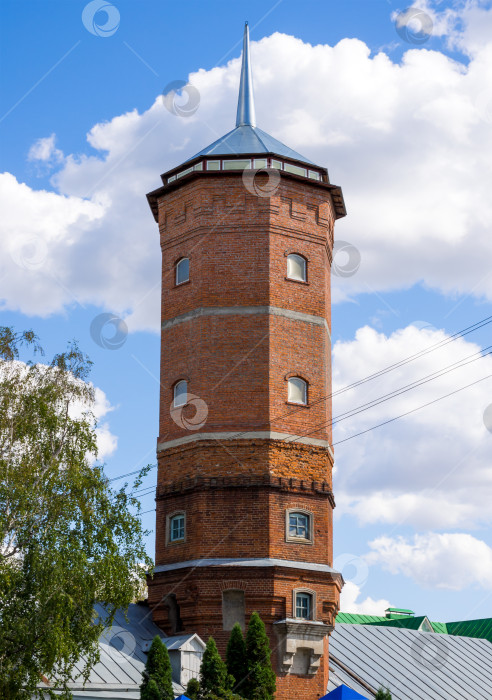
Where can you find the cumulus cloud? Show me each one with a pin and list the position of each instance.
(349, 602)
(412, 470)
(431, 559)
(408, 141)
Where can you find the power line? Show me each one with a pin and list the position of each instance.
(391, 420)
(413, 410)
(459, 334)
(397, 392)
(137, 471)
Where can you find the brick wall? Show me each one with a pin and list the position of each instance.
(235, 492)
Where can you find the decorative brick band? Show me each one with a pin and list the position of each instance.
(202, 483)
(249, 435)
(260, 562)
(246, 311)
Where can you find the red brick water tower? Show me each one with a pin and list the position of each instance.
(244, 494)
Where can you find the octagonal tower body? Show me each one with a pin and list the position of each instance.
(236, 457)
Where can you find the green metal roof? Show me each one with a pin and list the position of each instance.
(353, 619)
(480, 629)
(471, 628)
(409, 623)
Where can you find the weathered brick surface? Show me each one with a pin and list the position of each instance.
(238, 366)
(267, 591)
(257, 528)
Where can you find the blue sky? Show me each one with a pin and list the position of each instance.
(403, 127)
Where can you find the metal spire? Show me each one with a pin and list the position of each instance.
(246, 105)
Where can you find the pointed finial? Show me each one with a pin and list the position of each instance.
(245, 105)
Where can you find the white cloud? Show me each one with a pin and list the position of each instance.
(44, 150)
(446, 561)
(409, 142)
(107, 442)
(349, 602)
(429, 469)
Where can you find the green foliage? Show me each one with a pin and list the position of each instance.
(383, 694)
(215, 682)
(151, 691)
(67, 540)
(236, 661)
(260, 683)
(213, 671)
(157, 677)
(193, 689)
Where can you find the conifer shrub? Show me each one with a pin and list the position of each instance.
(236, 661)
(260, 683)
(157, 681)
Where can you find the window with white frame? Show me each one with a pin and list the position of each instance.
(304, 605)
(297, 390)
(177, 527)
(296, 268)
(183, 270)
(180, 393)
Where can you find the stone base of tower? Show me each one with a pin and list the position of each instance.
(208, 596)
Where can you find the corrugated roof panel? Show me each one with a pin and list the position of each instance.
(413, 664)
(471, 628)
(411, 623)
(122, 661)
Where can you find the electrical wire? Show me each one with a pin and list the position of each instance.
(459, 334)
(407, 413)
(397, 392)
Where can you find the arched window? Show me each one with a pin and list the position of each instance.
(297, 267)
(297, 390)
(177, 527)
(304, 605)
(180, 393)
(182, 270)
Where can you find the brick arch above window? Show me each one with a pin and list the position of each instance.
(296, 251)
(301, 374)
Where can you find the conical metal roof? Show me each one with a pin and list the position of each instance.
(250, 140)
(247, 137)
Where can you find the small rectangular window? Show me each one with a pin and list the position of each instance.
(303, 606)
(277, 164)
(177, 530)
(184, 172)
(260, 163)
(314, 175)
(213, 164)
(236, 164)
(299, 525)
(295, 169)
(172, 178)
(198, 166)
